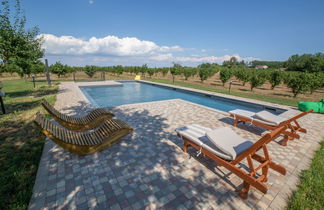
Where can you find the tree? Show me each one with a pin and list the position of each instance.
(143, 69)
(175, 70)
(299, 83)
(306, 63)
(18, 45)
(151, 71)
(275, 78)
(38, 67)
(205, 73)
(225, 75)
(90, 71)
(59, 69)
(243, 74)
(257, 79)
(188, 72)
(164, 71)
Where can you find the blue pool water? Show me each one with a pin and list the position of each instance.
(137, 92)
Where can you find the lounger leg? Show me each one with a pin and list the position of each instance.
(265, 170)
(245, 190)
(185, 146)
(284, 142)
(235, 122)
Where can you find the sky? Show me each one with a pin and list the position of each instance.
(188, 32)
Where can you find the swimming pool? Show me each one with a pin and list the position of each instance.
(138, 92)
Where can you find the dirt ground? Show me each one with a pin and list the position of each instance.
(280, 91)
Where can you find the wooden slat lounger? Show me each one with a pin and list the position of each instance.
(87, 122)
(229, 149)
(251, 117)
(82, 143)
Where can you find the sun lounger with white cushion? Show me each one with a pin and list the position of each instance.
(228, 149)
(269, 121)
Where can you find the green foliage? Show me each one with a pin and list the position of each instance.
(18, 45)
(275, 78)
(299, 83)
(306, 63)
(143, 69)
(151, 71)
(225, 75)
(258, 78)
(175, 70)
(164, 71)
(59, 69)
(309, 194)
(243, 74)
(90, 70)
(205, 72)
(117, 70)
(188, 72)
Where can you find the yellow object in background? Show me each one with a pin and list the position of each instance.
(137, 77)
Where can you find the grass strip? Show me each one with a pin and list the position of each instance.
(310, 192)
(21, 142)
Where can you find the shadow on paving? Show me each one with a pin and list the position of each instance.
(146, 168)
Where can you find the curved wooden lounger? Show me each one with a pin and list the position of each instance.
(82, 143)
(87, 122)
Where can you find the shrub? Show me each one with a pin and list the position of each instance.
(188, 72)
(90, 71)
(151, 71)
(225, 75)
(205, 73)
(258, 78)
(299, 83)
(275, 78)
(175, 70)
(243, 74)
(164, 71)
(59, 69)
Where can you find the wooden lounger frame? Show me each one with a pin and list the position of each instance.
(87, 122)
(82, 143)
(289, 134)
(250, 178)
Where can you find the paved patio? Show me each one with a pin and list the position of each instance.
(148, 169)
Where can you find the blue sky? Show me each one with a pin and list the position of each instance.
(159, 32)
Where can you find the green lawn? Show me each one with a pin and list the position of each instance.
(310, 193)
(21, 142)
(251, 95)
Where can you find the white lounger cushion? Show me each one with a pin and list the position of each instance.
(228, 141)
(267, 116)
(197, 134)
(253, 116)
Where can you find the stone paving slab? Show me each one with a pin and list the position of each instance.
(148, 168)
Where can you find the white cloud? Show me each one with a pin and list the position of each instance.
(91, 1)
(112, 50)
(198, 59)
(109, 45)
